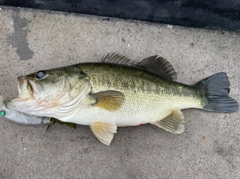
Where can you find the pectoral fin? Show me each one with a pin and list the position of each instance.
(173, 123)
(104, 131)
(109, 100)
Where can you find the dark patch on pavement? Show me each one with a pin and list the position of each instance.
(223, 152)
(228, 154)
(192, 44)
(18, 38)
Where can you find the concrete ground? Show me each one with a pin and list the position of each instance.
(209, 148)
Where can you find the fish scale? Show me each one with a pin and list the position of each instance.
(142, 96)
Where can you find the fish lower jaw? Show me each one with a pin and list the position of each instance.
(21, 99)
(11, 105)
(19, 104)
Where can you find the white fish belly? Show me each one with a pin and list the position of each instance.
(93, 114)
(133, 113)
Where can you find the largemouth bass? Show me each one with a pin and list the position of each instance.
(118, 92)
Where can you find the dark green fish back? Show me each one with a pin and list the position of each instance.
(113, 76)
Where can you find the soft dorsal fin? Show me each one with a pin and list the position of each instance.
(109, 100)
(117, 59)
(173, 123)
(158, 66)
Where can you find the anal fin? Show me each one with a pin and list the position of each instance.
(104, 131)
(173, 123)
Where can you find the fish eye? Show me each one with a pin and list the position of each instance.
(40, 74)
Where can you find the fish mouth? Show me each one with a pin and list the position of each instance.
(25, 89)
(25, 94)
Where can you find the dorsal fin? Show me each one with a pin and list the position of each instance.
(158, 66)
(153, 64)
(117, 59)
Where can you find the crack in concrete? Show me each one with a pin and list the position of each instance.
(18, 38)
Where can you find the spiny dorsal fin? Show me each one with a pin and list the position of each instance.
(158, 66)
(109, 100)
(173, 123)
(104, 131)
(117, 59)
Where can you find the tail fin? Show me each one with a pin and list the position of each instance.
(216, 92)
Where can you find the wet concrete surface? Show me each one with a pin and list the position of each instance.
(32, 40)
